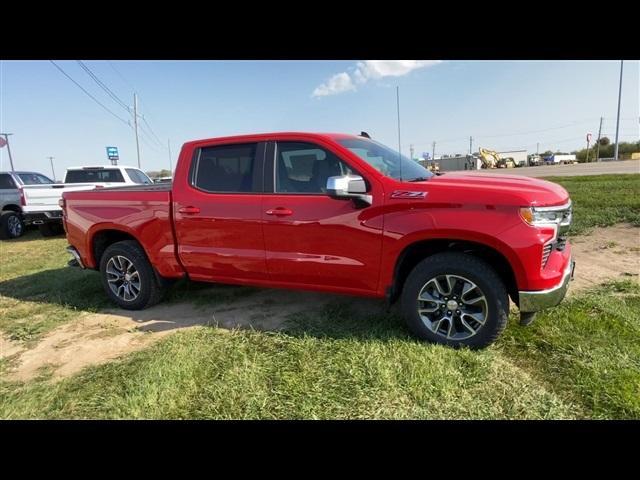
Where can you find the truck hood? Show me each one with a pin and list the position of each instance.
(498, 189)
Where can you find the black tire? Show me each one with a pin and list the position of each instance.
(151, 291)
(476, 271)
(11, 225)
(51, 229)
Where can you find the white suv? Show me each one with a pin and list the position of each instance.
(107, 176)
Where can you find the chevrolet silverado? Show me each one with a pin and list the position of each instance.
(336, 213)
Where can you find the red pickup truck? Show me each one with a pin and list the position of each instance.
(336, 213)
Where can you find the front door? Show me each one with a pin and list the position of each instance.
(218, 216)
(310, 238)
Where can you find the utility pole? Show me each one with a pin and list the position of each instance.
(470, 145)
(53, 172)
(588, 139)
(135, 122)
(619, 98)
(6, 138)
(169, 145)
(598, 147)
(537, 148)
(433, 151)
(411, 150)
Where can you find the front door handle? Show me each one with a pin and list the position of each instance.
(189, 210)
(280, 211)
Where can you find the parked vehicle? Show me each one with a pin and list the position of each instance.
(336, 213)
(162, 180)
(558, 159)
(535, 160)
(11, 219)
(37, 197)
(107, 175)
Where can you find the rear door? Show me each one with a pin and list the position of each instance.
(218, 214)
(311, 238)
(9, 194)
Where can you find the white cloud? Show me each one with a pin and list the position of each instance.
(340, 82)
(369, 70)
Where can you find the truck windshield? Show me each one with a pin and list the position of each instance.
(386, 160)
(34, 179)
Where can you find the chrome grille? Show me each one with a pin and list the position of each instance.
(546, 251)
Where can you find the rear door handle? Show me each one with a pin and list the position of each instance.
(189, 210)
(280, 211)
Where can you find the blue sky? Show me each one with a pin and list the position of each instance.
(502, 104)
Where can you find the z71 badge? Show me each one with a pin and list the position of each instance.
(407, 194)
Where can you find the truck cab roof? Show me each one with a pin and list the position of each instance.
(99, 167)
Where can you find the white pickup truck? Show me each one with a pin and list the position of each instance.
(31, 198)
(107, 175)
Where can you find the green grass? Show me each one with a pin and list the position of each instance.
(602, 200)
(38, 292)
(580, 360)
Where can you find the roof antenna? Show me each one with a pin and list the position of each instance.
(399, 147)
(364, 134)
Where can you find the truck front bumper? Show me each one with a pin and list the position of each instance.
(534, 301)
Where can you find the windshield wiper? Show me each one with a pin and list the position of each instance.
(418, 179)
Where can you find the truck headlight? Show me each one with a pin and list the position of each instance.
(544, 216)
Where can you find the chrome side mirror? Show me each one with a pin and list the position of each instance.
(348, 187)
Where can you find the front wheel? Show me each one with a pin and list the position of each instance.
(455, 299)
(128, 277)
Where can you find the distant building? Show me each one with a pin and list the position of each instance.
(451, 163)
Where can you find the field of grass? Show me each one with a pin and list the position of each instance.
(578, 360)
(602, 200)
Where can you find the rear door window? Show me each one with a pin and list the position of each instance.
(226, 169)
(6, 182)
(106, 175)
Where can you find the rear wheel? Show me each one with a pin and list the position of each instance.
(455, 299)
(11, 225)
(128, 277)
(51, 229)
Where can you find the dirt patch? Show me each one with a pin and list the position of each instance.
(98, 338)
(605, 254)
(611, 253)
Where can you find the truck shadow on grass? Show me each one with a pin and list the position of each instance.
(189, 304)
(32, 233)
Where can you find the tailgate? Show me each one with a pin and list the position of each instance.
(45, 197)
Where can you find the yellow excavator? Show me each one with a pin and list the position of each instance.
(491, 159)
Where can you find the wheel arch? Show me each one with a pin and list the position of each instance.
(101, 239)
(421, 249)
(12, 208)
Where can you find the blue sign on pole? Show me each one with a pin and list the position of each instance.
(112, 153)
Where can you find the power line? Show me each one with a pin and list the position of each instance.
(120, 75)
(537, 131)
(144, 119)
(460, 139)
(104, 87)
(88, 94)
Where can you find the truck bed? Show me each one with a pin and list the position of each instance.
(142, 211)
